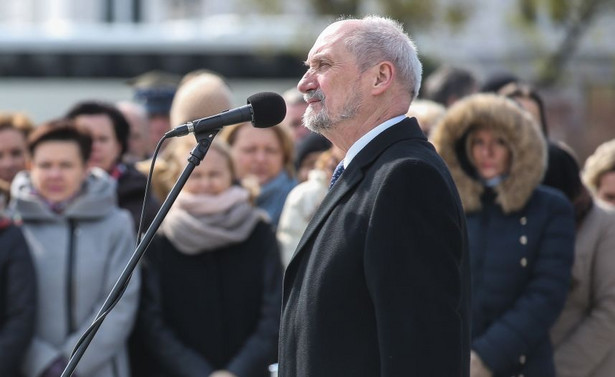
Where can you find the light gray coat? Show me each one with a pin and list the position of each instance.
(101, 238)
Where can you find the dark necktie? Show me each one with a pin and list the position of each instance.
(336, 174)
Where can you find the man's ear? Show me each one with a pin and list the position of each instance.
(383, 77)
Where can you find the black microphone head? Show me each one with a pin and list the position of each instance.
(268, 109)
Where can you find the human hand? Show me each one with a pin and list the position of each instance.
(477, 367)
(222, 373)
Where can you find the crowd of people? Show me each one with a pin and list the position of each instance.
(535, 230)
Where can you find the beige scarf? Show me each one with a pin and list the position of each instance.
(200, 223)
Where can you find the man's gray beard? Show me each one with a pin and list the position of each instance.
(316, 122)
(321, 121)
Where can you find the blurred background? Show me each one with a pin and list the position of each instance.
(56, 52)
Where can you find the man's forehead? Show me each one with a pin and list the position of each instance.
(332, 34)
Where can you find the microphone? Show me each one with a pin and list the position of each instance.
(264, 110)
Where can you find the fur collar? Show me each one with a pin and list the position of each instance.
(522, 135)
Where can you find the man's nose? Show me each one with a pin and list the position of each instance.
(307, 83)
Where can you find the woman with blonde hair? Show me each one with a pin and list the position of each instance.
(263, 156)
(213, 286)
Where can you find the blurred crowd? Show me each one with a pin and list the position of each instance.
(205, 300)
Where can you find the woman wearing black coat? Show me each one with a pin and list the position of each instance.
(211, 300)
(17, 298)
(521, 234)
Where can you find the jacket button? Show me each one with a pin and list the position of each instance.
(523, 264)
(523, 240)
(523, 220)
(522, 357)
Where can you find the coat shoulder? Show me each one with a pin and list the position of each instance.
(553, 199)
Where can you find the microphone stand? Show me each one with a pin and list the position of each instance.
(196, 156)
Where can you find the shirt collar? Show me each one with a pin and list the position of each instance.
(371, 135)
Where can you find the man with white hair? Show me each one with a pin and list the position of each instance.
(379, 283)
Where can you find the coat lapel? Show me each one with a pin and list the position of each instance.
(408, 128)
(351, 177)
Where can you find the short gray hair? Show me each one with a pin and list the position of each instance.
(380, 38)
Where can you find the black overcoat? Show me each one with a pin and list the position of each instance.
(379, 283)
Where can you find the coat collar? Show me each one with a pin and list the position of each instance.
(353, 174)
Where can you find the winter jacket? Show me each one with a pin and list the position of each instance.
(521, 238)
(78, 256)
(17, 298)
(584, 335)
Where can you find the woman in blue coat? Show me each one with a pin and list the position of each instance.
(521, 234)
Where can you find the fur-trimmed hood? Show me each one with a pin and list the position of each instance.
(600, 162)
(521, 134)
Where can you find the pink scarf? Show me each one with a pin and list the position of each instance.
(199, 223)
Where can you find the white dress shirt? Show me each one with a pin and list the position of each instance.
(371, 135)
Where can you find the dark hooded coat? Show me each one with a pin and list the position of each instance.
(521, 237)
